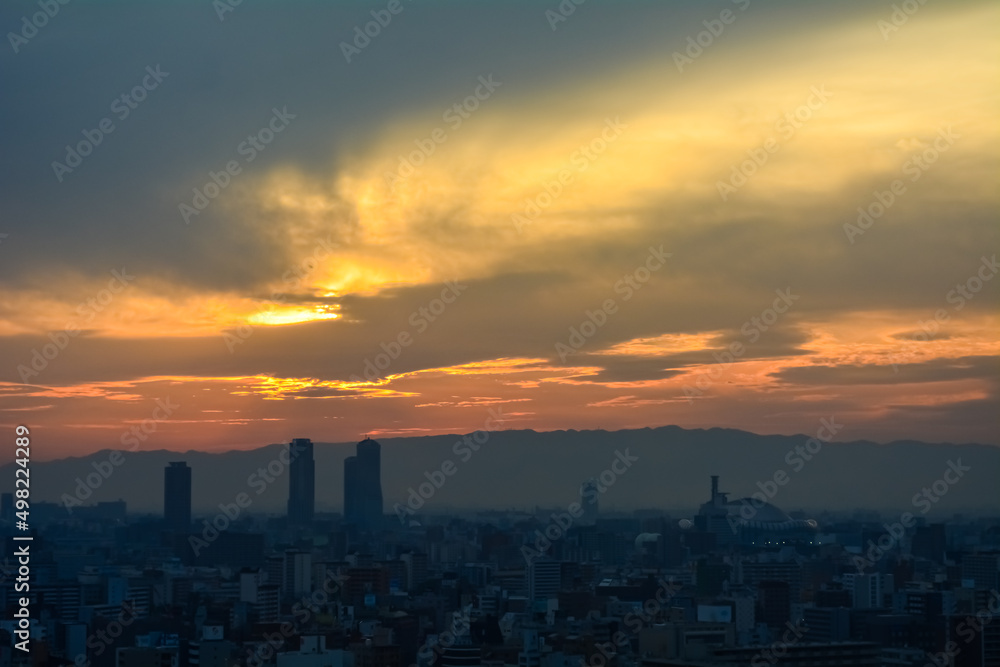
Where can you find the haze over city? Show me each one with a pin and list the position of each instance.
(509, 333)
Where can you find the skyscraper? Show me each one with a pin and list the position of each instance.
(370, 462)
(177, 496)
(351, 510)
(301, 482)
(589, 492)
(363, 486)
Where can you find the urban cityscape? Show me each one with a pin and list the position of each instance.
(741, 582)
(506, 333)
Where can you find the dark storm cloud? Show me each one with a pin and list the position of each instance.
(223, 79)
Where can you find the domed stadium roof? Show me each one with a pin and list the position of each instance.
(754, 513)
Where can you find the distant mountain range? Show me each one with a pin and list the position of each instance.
(665, 468)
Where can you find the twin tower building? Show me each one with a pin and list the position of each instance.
(362, 487)
(362, 484)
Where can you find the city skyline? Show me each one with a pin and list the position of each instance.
(740, 583)
(509, 333)
(429, 475)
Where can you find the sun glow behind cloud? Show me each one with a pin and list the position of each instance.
(357, 243)
(675, 144)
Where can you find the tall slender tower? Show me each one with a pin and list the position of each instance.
(363, 503)
(589, 493)
(177, 496)
(351, 484)
(301, 482)
(370, 461)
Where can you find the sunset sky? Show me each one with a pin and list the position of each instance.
(597, 146)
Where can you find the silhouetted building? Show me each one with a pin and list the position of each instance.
(749, 521)
(297, 575)
(177, 496)
(769, 570)
(827, 624)
(301, 482)
(589, 493)
(231, 547)
(929, 542)
(982, 569)
(416, 569)
(713, 516)
(868, 590)
(773, 603)
(363, 486)
(461, 653)
(712, 577)
(544, 577)
(351, 483)
(856, 654)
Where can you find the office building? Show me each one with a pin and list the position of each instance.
(363, 486)
(544, 577)
(589, 493)
(301, 482)
(177, 496)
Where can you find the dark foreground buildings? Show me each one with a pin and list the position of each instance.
(740, 583)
